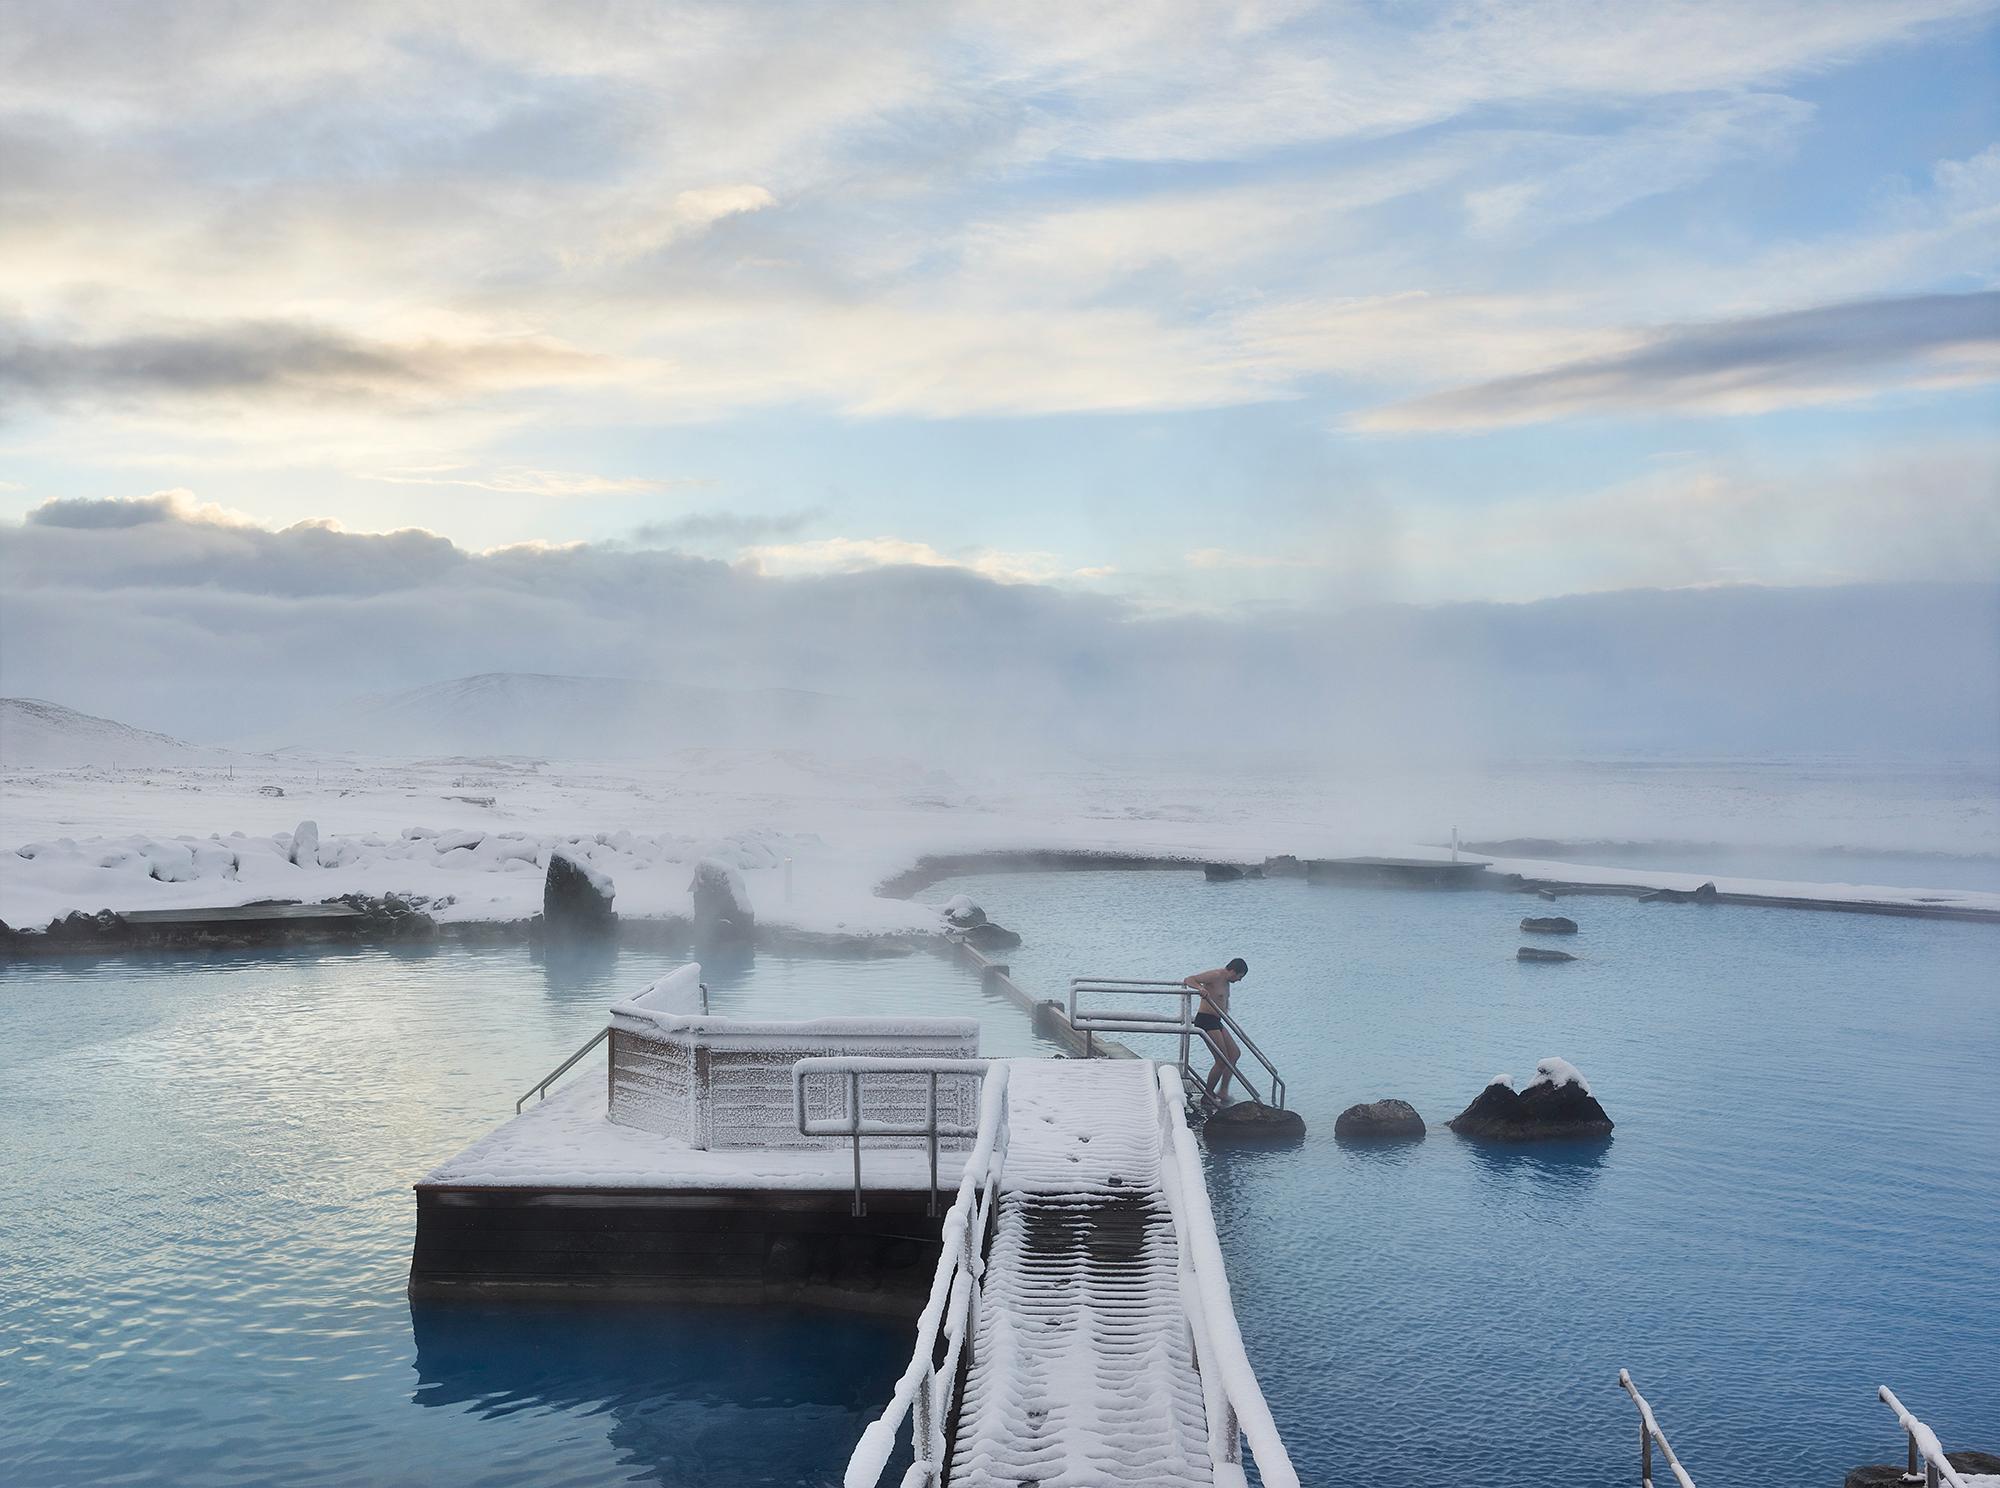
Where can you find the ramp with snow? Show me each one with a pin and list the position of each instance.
(1079, 1330)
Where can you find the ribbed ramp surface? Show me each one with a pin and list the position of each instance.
(1083, 1371)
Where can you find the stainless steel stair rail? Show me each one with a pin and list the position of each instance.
(1090, 1021)
(562, 1069)
(1924, 1446)
(568, 1064)
(853, 1068)
(928, 1387)
(1649, 1432)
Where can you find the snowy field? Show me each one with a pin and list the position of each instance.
(473, 835)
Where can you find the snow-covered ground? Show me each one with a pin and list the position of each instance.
(814, 835)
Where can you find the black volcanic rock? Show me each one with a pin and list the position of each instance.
(1541, 953)
(1890, 1475)
(1251, 1122)
(721, 904)
(1221, 872)
(987, 936)
(1555, 1105)
(1549, 925)
(1284, 865)
(576, 901)
(1705, 894)
(1379, 1121)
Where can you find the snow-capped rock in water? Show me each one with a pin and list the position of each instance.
(50, 736)
(1379, 1121)
(962, 914)
(1556, 1104)
(576, 900)
(305, 845)
(721, 903)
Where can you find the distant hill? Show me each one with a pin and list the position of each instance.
(45, 735)
(535, 713)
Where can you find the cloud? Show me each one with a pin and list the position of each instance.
(848, 555)
(520, 480)
(85, 513)
(272, 360)
(209, 630)
(723, 528)
(1829, 353)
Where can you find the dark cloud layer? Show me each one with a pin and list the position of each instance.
(265, 360)
(731, 529)
(1713, 365)
(220, 631)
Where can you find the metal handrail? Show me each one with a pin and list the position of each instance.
(1126, 1020)
(568, 1064)
(1924, 1443)
(927, 1387)
(854, 1125)
(562, 1069)
(1649, 1432)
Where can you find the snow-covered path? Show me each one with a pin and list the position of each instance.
(1082, 1364)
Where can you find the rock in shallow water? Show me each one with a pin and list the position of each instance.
(1549, 925)
(721, 903)
(1541, 953)
(1247, 1121)
(576, 900)
(1555, 1105)
(1379, 1121)
(1886, 1475)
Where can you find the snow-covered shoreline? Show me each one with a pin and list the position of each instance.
(814, 838)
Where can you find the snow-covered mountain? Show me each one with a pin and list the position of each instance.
(48, 735)
(565, 717)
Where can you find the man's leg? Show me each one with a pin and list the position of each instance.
(1228, 1046)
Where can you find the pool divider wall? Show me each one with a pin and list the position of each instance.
(760, 1246)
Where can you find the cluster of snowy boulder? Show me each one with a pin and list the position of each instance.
(1556, 1104)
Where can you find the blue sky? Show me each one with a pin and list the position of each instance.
(1198, 307)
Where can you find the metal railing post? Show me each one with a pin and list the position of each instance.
(932, 1139)
(1645, 1455)
(1911, 1474)
(854, 1118)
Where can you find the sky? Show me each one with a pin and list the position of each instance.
(1244, 311)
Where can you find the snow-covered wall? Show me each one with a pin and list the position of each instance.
(719, 1083)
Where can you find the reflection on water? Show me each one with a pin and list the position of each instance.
(1551, 1167)
(685, 1394)
(1797, 1204)
(207, 1227)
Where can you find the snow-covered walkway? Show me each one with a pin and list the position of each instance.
(1083, 1368)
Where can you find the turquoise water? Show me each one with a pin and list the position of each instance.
(1801, 1200)
(207, 1169)
(205, 1176)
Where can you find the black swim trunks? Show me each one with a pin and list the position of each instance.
(1207, 1020)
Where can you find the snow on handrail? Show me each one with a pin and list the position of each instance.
(1923, 1440)
(1225, 1367)
(1649, 1432)
(948, 1307)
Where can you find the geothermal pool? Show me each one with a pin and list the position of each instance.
(209, 1216)
(1801, 1200)
(208, 1225)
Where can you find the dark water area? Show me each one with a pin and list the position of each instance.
(1801, 1200)
(205, 1176)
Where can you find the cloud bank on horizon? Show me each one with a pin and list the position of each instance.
(201, 622)
(1201, 308)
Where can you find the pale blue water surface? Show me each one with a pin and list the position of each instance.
(1801, 1200)
(206, 1170)
(205, 1176)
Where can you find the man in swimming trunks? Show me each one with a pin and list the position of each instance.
(1214, 989)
